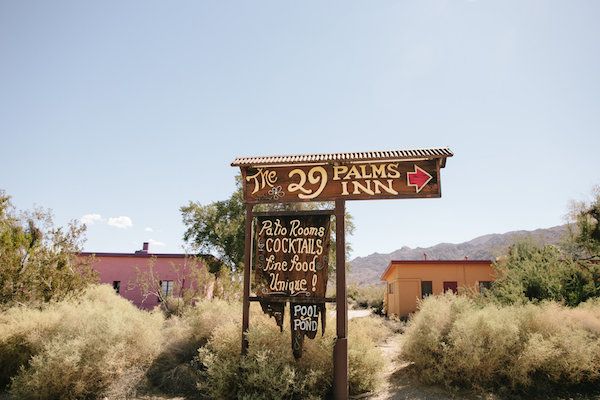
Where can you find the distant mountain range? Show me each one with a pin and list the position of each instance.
(367, 270)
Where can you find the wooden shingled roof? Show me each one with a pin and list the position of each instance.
(390, 155)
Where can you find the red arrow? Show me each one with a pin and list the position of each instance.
(418, 179)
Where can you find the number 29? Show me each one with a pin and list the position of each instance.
(316, 176)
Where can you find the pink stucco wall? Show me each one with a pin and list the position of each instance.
(124, 267)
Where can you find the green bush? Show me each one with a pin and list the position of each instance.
(529, 273)
(75, 349)
(453, 340)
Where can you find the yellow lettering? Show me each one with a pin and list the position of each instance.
(353, 173)
(393, 170)
(337, 170)
(365, 189)
(378, 171)
(316, 175)
(363, 169)
(345, 188)
(389, 188)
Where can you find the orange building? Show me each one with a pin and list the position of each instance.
(408, 281)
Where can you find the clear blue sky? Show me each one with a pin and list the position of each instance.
(132, 108)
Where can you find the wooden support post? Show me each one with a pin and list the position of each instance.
(340, 350)
(247, 267)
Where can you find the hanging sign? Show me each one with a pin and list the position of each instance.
(304, 319)
(291, 255)
(355, 181)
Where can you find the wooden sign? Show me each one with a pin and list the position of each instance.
(291, 255)
(351, 181)
(304, 319)
(287, 267)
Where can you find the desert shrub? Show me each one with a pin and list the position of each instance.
(192, 281)
(365, 360)
(269, 370)
(375, 328)
(454, 340)
(173, 306)
(128, 384)
(77, 348)
(174, 370)
(370, 296)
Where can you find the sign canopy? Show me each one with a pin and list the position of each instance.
(343, 176)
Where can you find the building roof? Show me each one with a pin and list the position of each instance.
(430, 262)
(144, 253)
(139, 254)
(389, 155)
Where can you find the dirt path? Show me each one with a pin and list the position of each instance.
(400, 385)
(358, 313)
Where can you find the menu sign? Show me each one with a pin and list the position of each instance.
(291, 260)
(291, 255)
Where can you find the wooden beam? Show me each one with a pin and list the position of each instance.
(284, 299)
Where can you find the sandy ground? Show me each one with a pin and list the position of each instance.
(354, 313)
(399, 384)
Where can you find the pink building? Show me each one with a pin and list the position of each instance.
(141, 276)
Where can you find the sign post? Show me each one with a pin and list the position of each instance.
(340, 349)
(291, 248)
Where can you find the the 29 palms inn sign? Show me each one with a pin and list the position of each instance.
(291, 249)
(327, 182)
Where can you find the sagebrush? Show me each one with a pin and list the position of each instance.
(175, 369)
(369, 296)
(99, 344)
(269, 370)
(455, 341)
(75, 349)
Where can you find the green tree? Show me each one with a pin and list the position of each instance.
(38, 261)
(569, 274)
(219, 228)
(530, 273)
(584, 227)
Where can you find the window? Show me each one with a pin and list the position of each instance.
(117, 286)
(451, 286)
(426, 289)
(166, 288)
(484, 285)
(391, 288)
